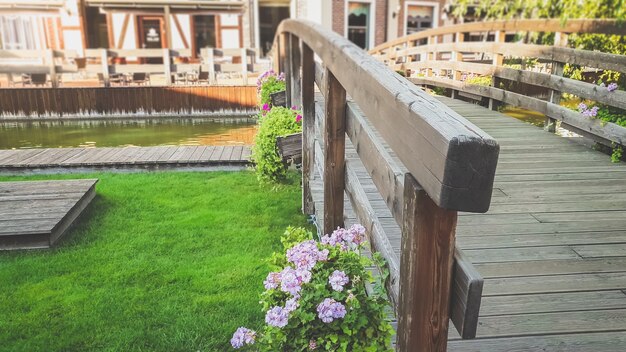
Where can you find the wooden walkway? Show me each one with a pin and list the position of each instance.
(36, 214)
(552, 247)
(124, 157)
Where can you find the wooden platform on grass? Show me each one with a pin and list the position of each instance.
(124, 157)
(36, 214)
(552, 248)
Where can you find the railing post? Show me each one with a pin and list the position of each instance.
(308, 127)
(560, 39)
(167, 67)
(456, 56)
(285, 63)
(104, 59)
(334, 152)
(295, 87)
(427, 254)
(52, 69)
(209, 58)
(244, 66)
(498, 59)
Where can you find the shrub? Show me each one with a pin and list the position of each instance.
(268, 83)
(317, 299)
(278, 121)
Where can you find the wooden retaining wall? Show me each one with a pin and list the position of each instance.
(115, 100)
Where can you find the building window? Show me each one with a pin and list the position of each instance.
(204, 31)
(420, 17)
(18, 33)
(359, 17)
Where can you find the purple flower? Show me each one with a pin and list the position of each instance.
(582, 107)
(272, 281)
(593, 112)
(312, 345)
(242, 337)
(305, 255)
(293, 107)
(330, 310)
(292, 280)
(612, 87)
(266, 107)
(298, 118)
(291, 304)
(277, 316)
(350, 238)
(337, 280)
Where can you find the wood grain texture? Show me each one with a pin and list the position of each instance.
(334, 153)
(425, 271)
(308, 126)
(451, 158)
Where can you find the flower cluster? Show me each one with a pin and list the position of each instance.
(277, 316)
(266, 76)
(306, 254)
(242, 337)
(346, 238)
(337, 280)
(319, 291)
(611, 87)
(586, 111)
(298, 115)
(330, 310)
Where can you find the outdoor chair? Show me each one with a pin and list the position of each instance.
(140, 78)
(26, 79)
(203, 77)
(39, 79)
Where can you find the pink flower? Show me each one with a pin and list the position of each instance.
(298, 118)
(266, 107)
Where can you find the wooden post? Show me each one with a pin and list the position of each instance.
(244, 66)
(308, 127)
(456, 56)
(427, 254)
(430, 56)
(167, 66)
(334, 152)
(285, 63)
(52, 68)
(296, 88)
(210, 61)
(560, 39)
(104, 59)
(498, 59)
(168, 25)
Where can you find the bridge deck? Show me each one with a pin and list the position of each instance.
(552, 248)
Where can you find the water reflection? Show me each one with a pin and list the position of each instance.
(119, 133)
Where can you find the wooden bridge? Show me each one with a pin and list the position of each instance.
(515, 235)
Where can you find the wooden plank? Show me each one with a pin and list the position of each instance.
(425, 271)
(334, 156)
(454, 176)
(582, 342)
(552, 267)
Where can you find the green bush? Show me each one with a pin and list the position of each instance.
(268, 83)
(279, 121)
(317, 299)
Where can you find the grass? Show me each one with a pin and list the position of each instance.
(160, 262)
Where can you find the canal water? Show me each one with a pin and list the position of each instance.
(119, 133)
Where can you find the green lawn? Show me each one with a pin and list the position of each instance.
(160, 262)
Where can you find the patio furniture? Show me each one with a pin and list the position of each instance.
(203, 77)
(26, 79)
(140, 78)
(38, 79)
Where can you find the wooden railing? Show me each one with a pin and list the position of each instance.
(451, 165)
(107, 62)
(445, 57)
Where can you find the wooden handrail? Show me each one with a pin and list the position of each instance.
(446, 58)
(451, 166)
